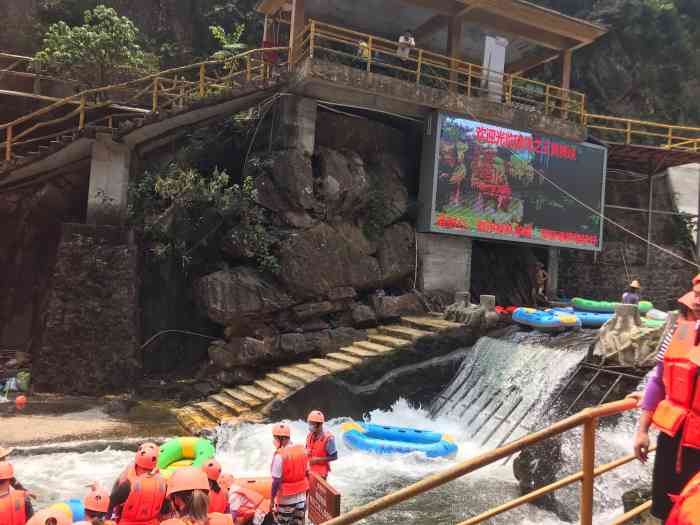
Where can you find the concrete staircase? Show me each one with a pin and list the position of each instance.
(251, 403)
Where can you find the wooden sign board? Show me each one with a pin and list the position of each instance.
(323, 500)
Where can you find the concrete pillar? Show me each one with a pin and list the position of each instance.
(454, 46)
(552, 273)
(109, 181)
(566, 59)
(444, 262)
(298, 21)
(297, 124)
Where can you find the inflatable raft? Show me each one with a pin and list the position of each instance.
(546, 320)
(652, 323)
(183, 452)
(588, 319)
(380, 439)
(588, 305)
(73, 508)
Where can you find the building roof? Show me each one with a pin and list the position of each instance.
(536, 34)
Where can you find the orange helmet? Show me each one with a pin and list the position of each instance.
(147, 456)
(213, 469)
(226, 480)
(281, 430)
(97, 499)
(187, 478)
(47, 516)
(6, 470)
(20, 402)
(316, 416)
(4, 452)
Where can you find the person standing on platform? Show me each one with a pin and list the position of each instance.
(632, 295)
(320, 445)
(289, 469)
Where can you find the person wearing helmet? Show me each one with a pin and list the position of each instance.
(50, 516)
(187, 492)
(632, 296)
(138, 496)
(290, 466)
(14, 482)
(218, 494)
(15, 505)
(248, 506)
(667, 403)
(320, 445)
(96, 505)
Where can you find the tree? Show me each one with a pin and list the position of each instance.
(102, 51)
(230, 43)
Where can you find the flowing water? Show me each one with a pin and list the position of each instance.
(522, 370)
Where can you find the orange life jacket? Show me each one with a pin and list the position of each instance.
(215, 518)
(294, 465)
(254, 502)
(218, 501)
(145, 500)
(12, 508)
(316, 448)
(686, 507)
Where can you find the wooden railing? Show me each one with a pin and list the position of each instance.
(171, 89)
(587, 419)
(422, 67)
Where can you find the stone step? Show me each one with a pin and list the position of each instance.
(297, 373)
(215, 411)
(331, 364)
(243, 397)
(290, 382)
(233, 405)
(358, 352)
(387, 340)
(429, 323)
(345, 358)
(194, 420)
(262, 394)
(374, 347)
(403, 332)
(311, 368)
(273, 386)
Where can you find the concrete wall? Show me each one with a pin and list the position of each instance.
(444, 262)
(109, 181)
(91, 339)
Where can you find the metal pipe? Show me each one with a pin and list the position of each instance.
(630, 515)
(588, 467)
(481, 460)
(649, 223)
(581, 394)
(609, 391)
(488, 418)
(535, 494)
(503, 420)
(660, 212)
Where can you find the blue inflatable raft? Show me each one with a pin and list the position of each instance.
(380, 439)
(546, 320)
(588, 319)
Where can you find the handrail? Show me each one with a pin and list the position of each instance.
(588, 418)
(154, 92)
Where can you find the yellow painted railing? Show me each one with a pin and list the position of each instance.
(385, 57)
(643, 133)
(170, 89)
(587, 418)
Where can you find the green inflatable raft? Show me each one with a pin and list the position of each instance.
(607, 307)
(184, 452)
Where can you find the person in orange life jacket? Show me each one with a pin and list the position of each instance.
(14, 482)
(187, 492)
(96, 505)
(218, 494)
(290, 483)
(668, 404)
(320, 445)
(15, 505)
(138, 496)
(248, 506)
(686, 506)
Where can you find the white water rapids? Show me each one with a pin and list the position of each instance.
(360, 477)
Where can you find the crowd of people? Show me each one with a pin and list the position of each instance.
(191, 495)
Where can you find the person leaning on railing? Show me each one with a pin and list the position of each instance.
(668, 403)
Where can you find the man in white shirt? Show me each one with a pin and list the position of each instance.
(406, 42)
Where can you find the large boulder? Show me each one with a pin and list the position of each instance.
(317, 260)
(393, 307)
(624, 341)
(397, 253)
(241, 352)
(343, 184)
(388, 178)
(226, 296)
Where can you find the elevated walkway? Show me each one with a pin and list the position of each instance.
(255, 401)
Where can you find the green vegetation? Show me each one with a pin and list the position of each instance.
(102, 51)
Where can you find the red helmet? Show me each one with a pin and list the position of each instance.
(281, 430)
(213, 469)
(6, 470)
(147, 456)
(97, 499)
(316, 416)
(187, 478)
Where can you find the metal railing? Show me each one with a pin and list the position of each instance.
(171, 89)
(422, 67)
(587, 418)
(643, 133)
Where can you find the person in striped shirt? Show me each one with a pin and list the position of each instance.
(674, 464)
